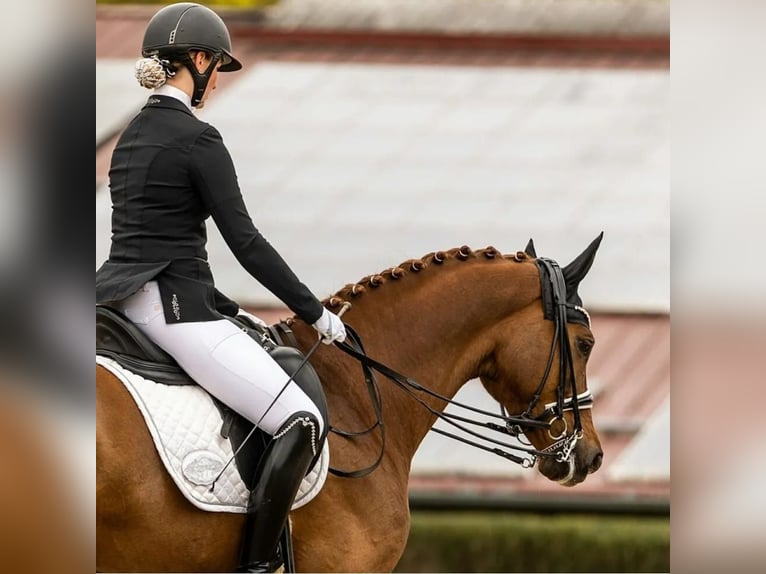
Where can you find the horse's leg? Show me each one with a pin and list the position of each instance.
(353, 525)
(143, 522)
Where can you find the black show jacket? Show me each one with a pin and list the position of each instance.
(171, 171)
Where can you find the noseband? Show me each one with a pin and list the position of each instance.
(557, 309)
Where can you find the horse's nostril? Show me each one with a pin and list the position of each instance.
(595, 464)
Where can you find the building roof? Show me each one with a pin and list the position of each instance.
(648, 18)
(435, 157)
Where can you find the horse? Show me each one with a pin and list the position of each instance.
(443, 319)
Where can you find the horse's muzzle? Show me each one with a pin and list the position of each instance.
(594, 460)
(586, 459)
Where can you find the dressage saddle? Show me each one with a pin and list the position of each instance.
(119, 339)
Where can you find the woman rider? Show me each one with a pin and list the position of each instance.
(169, 172)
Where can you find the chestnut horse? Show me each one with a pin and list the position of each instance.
(444, 319)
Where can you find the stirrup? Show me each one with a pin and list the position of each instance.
(275, 565)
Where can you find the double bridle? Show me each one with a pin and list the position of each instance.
(558, 310)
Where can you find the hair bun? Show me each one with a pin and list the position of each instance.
(150, 73)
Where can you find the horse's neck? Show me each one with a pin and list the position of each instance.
(434, 328)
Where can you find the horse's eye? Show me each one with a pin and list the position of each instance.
(585, 346)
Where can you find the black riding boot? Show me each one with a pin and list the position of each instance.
(280, 473)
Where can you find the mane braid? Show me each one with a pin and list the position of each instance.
(376, 280)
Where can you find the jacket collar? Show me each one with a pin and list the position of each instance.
(163, 101)
(174, 92)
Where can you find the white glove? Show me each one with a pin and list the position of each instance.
(330, 327)
(253, 318)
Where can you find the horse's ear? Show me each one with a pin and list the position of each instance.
(578, 269)
(530, 248)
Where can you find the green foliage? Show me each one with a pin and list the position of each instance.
(506, 542)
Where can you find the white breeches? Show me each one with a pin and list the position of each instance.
(224, 360)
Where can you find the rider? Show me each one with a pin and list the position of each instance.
(169, 173)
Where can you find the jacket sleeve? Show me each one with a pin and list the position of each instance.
(213, 174)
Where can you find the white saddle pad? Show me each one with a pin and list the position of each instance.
(185, 425)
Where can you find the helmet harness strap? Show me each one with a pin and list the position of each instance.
(200, 79)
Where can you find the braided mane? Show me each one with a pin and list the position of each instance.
(464, 253)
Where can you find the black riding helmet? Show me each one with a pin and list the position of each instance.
(178, 29)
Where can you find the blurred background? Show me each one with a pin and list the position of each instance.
(366, 133)
(377, 131)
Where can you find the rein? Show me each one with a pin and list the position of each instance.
(410, 386)
(282, 331)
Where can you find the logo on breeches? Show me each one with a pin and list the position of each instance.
(176, 307)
